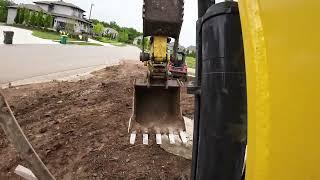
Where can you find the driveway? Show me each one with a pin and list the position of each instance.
(23, 36)
(18, 62)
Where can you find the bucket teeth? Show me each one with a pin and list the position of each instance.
(171, 138)
(158, 138)
(133, 138)
(183, 136)
(145, 140)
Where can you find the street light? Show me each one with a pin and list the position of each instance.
(91, 10)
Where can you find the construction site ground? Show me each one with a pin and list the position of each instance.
(79, 129)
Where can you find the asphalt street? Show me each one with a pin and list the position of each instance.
(18, 62)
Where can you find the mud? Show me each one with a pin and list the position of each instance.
(79, 129)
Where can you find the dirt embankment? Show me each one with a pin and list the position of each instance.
(79, 129)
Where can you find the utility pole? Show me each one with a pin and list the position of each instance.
(91, 10)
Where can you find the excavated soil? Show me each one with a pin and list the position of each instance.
(79, 129)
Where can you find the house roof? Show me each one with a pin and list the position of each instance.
(28, 6)
(192, 48)
(170, 46)
(110, 31)
(61, 3)
(71, 17)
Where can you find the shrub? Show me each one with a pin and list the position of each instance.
(16, 19)
(98, 29)
(4, 9)
(48, 21)
(3, 13)
(69, 28)
(40, 21)
(123, 36)
(27, 17)
(21, 15)
(33, 18)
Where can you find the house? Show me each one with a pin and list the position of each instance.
(137, 40)
(12, 11)
(170, 47)
(112, 33)
(63, 13)
(191, 49)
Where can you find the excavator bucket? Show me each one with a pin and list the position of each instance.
(156, 108)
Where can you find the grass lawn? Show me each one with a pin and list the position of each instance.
(112, 42)
(49, 35)
(191, 61)
(85, 43)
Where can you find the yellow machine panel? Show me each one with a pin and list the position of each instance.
(159, 48)
(283, 76)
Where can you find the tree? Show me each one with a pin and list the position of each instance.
(146, 42)
(115, 26)
(98, 29)
(21, 15)
(192, 54)
(4, 9)
(139, 42)
(126, 35)
(123, 36)
(132, 34)
(27, 17)
(69, 28)
(94, 21)
(33, 18)
(16, 19)
(40, 21)
(48, 21)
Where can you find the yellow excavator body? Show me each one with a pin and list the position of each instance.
(159, 49)
(283, 79)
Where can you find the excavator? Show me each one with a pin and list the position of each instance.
(178, 67)
(156, 101)
(256, 90)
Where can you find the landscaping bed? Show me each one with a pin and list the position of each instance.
(109, 41)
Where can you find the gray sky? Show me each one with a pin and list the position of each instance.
(129, 13)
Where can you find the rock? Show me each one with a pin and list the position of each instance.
(25, 173)
(43, 130)
(47, 115)
(60, 102)
(127, 160)
(114, 159)
(57, 146)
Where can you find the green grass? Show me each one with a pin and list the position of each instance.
(112, 42)
(191, 61)
(85, 43)
(49, 35)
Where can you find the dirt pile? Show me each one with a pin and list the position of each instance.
(79, 129)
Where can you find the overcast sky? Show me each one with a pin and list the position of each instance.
(129, 13)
